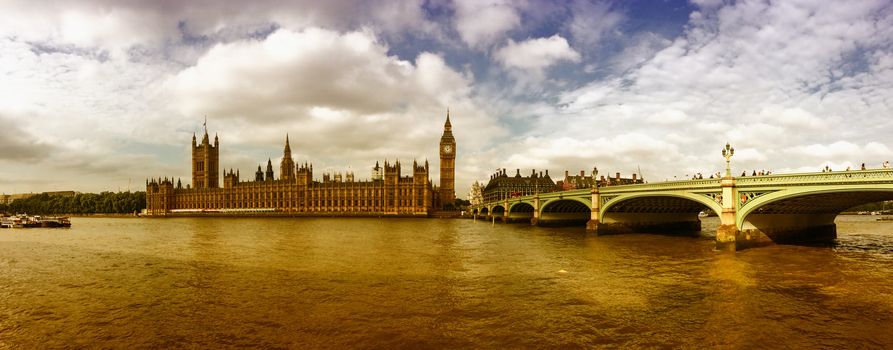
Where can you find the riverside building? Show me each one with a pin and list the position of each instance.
(295, 192)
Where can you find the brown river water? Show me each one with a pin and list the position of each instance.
(429, 283)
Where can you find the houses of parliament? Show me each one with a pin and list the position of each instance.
(296, 192)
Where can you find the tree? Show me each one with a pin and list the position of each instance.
(81, 203)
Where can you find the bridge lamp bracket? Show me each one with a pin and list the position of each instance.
(728, 152)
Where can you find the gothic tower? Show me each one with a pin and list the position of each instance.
(287, 166)
(205, 161)
(269, 173)
(447, 164)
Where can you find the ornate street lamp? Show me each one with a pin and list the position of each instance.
(728, 152)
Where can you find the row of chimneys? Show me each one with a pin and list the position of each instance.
(518, 173)
(583, 173)
(534, 174)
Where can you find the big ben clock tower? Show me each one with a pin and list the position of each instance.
(447, 164)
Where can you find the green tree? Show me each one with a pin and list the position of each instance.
(81, 203)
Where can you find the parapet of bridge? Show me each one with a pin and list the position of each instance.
(753, 211)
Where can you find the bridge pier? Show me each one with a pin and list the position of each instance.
(727, 234)
(536, 210)
(592, 226)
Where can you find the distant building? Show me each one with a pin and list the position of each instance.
(377, 174)
(617, 180)
(387, 193)
(572, 182)
(502, 186)
(447, 164)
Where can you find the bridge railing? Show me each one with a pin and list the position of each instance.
(663, 186)
(861, 176)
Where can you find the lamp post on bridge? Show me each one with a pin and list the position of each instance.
(727, 233)
(728, 152)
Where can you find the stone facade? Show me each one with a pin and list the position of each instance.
(573, 182)
(295, 192)
(502, 186)
(204, 163)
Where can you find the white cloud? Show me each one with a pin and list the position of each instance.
(116, 89)
(535, 55)
(341, 97)
(668, 117)
(768, 77)
(642, 48)
(481, 23)
(116, 26)
(591, 21)
(840, 150)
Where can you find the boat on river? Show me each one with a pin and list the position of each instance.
(25, 221)
(54, 221)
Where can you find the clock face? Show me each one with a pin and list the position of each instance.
(447, 149)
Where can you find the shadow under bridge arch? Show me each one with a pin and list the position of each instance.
(497, 211)
(520, 212)
(675, 213)
(804, 215)
(565, 212)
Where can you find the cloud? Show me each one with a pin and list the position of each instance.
(116, 26)
(341, 96)
(669, 117)
(591, 21)
(841, 150)
(118, 88)
(535, 55)
(642, 47)
(17, 144)
(768, 77)
(481, 23)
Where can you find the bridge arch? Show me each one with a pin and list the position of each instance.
(520, 212)
(702, 199)
(671, 212)
(565, 211)
(552, 201)
(484, 211)
(521, 207)
(805, 214)
(497, 210)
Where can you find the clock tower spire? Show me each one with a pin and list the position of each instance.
(447, 164)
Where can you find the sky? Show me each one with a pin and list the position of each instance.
(99, 95)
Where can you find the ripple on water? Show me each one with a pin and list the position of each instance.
(311, 283)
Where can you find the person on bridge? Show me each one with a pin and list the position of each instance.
(863, 166)
(886, 164)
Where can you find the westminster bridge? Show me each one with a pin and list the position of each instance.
(753, 210)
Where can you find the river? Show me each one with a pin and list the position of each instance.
(429, 283)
